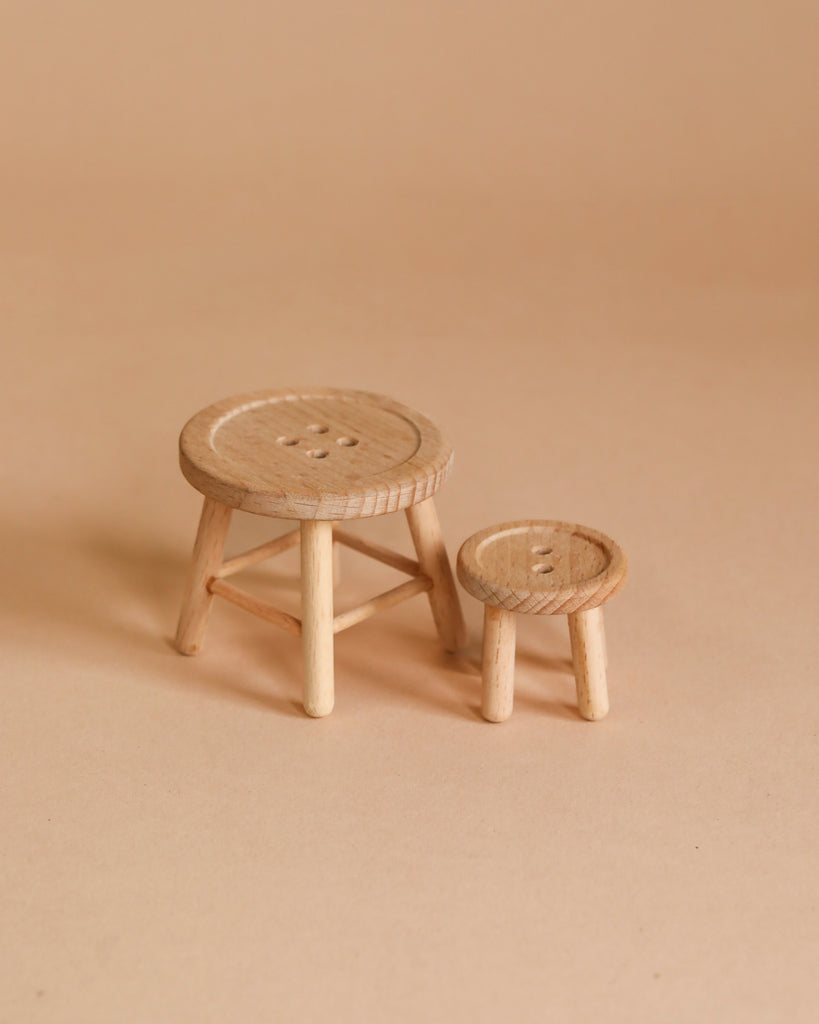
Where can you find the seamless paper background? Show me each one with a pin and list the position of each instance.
(583, 239)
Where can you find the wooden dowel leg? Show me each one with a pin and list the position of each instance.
(317, 616)
(498, 669)
(433, 560)
(589, 660)
(207, 557)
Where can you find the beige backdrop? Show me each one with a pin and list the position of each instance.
(583, 238)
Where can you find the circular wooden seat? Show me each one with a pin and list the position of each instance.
(542, 567)
(317, 453)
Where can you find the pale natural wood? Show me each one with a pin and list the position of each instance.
(498, 664)
(433, 560)
(318, 453)
(254, 605)
(207, 554)
(388, 599)
(589, 660)
(376, 551)
(258, 554)
(545, 567)
(317, 616)
(319, 456)
(542, 567)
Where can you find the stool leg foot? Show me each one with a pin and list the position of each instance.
(207, 557)
(317, 616)
(432, 557)
(498, 666)
(589, 660)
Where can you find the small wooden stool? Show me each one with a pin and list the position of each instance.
(316, 456)
(542, 567)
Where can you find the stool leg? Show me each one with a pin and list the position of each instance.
(207, 557)
(498, 667)
(317, 616)
(589, 659)
(432, 557)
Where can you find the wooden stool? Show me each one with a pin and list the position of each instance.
(542, 567)
(317, 456)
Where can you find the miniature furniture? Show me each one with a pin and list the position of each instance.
(542, 567)
(317, 456)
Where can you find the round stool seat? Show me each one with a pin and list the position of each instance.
(316, 453)
(542, 567)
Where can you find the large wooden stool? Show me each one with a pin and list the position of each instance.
(319, 456)
(542, 567)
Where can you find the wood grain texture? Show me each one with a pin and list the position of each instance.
(542, 567)
(207, 556)
(314, 453)
(434, 562)
(498, 664)
(589, 661)
(317, 616)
